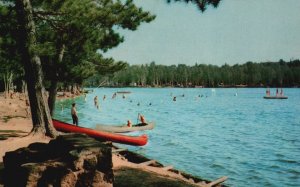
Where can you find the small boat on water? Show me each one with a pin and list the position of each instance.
(124, 92)
(275, 97)
(125, 128)
(108, 136)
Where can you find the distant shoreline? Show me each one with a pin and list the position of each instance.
(194, 87)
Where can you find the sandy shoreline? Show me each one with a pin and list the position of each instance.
(15, 124)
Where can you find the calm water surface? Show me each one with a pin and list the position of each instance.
(232, 132)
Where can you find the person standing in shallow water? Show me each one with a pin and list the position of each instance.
(96, 102)
(74, 114)
(174, 98)
(114, 95)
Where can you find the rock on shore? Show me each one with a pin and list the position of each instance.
(69, 160)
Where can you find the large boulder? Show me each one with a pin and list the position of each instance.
(69, 160)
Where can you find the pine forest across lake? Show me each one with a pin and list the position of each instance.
(207, 132)
(250, 74)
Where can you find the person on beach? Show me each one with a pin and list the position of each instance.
(74, 114)
(141, 118)
(96, 102)
(12, 95)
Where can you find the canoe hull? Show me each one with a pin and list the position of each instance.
(124, 128)
(118, 138)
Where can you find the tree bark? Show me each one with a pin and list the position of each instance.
(7, 78)
(41, 119)
(5, 85)
(54, 77)
(52, 96)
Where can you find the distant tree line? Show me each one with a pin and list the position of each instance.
(250, 74)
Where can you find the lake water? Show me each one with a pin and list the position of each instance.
(226, 132)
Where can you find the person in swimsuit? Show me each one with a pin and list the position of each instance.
(74, 114)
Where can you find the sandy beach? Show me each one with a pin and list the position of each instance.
(15, 125)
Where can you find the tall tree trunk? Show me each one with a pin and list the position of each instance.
(7, 83)
(24, 86)
(52, 96)
(54, 77)
(41, 119)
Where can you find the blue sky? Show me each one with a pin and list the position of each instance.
(236, 32)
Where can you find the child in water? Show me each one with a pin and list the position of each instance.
(129, 124)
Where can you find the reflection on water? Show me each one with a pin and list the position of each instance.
(233, 132)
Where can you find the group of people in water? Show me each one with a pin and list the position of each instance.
(175, 97)
(96, 102)
(74, 114)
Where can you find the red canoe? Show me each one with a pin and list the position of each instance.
(118, 138)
